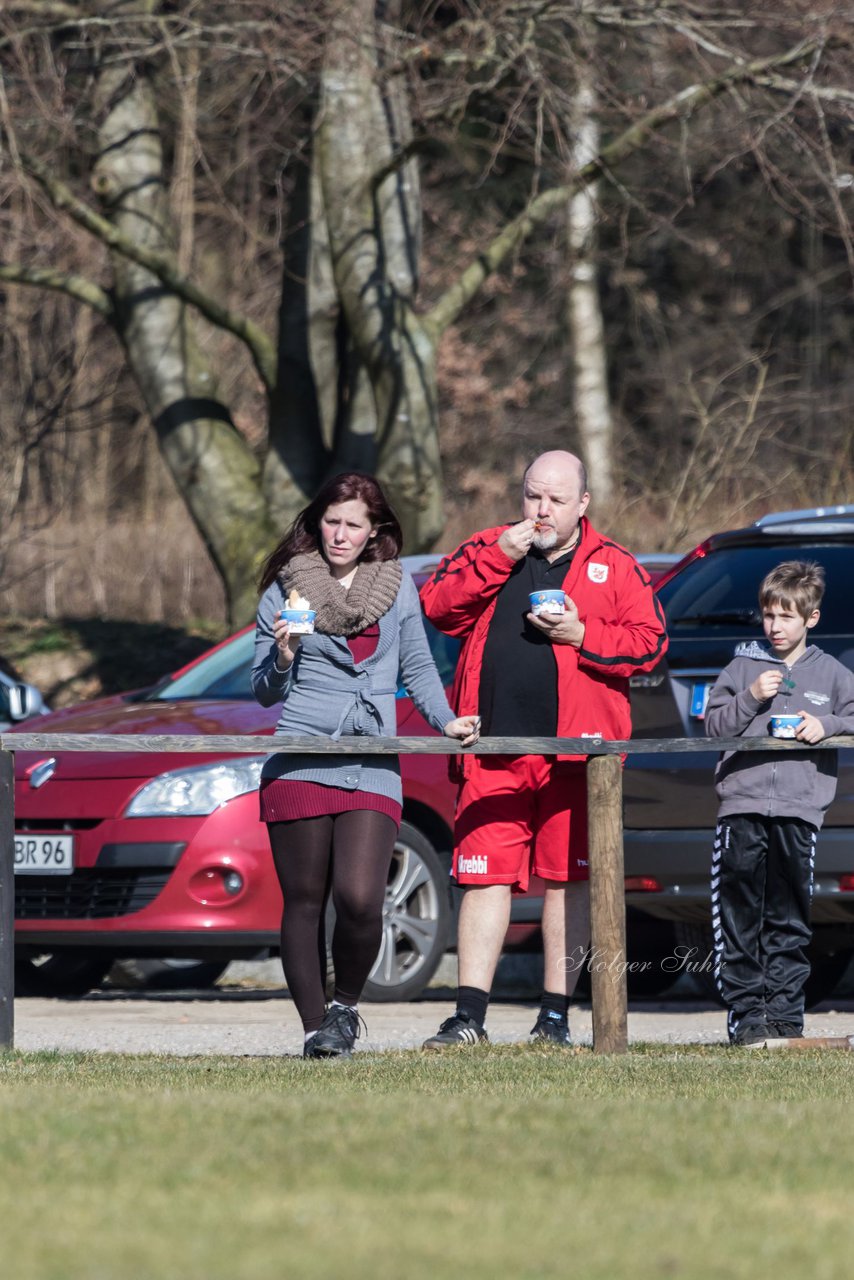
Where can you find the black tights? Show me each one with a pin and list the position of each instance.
(349, 855)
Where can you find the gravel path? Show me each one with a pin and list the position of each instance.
(263, 1022)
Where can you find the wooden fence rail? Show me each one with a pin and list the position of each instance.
(605, 802)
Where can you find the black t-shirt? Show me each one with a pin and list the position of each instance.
(518, 678)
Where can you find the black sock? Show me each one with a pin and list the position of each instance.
(554, 1002)
(472, 1002)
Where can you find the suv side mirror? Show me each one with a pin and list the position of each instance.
(24, 701)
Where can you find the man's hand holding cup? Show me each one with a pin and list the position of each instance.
(565, 627)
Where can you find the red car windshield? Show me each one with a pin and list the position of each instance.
(221, 674)
(224, 673)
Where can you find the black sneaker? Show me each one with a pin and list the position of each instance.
(551, 1028)
(456, 1032)
(786, 1030)
(751, 1034)
(336, 1035)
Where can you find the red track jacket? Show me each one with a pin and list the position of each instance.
(624, 627)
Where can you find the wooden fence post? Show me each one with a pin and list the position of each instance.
(607, 904)
(7, 901)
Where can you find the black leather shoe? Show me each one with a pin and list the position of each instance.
(337, 1033)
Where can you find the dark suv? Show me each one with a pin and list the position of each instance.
(710, 601)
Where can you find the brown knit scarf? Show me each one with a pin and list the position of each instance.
(343, 612)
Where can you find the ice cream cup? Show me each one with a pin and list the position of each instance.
(550, 601)
(784, 726)
(300, 621)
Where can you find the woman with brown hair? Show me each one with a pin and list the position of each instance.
(333, 819)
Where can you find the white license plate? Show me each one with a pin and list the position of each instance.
(44, 855)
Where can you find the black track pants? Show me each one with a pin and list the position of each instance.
(762, 873)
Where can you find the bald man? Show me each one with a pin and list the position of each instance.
(554, 675)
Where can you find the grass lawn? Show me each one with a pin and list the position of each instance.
(505, 1161)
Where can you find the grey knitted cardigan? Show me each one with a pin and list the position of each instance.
(325, 692)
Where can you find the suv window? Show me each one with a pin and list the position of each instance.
(721, 588)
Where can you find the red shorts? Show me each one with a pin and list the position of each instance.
(518, 817)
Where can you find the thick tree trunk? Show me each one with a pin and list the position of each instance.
(304, 397)
(322, 410)
(213, 468)
(374, 238)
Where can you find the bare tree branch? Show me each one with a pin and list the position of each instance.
(77, 287)
(259, 343)
(827, 93)
(45, 9)
(681, 104)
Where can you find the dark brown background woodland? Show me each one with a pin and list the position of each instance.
(723, 260)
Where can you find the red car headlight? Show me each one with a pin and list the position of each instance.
(199, 789)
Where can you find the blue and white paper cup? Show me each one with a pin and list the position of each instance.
(549, 601)
(300, 621)
(784, 726)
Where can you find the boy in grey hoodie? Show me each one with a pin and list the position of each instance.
(772, 805)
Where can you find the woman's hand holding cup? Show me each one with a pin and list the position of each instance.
(286, 644)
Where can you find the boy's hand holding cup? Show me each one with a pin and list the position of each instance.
(786, 726)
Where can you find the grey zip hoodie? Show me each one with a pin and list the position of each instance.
(800, 784)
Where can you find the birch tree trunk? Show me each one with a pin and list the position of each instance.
(591, 401)
(213, 468)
